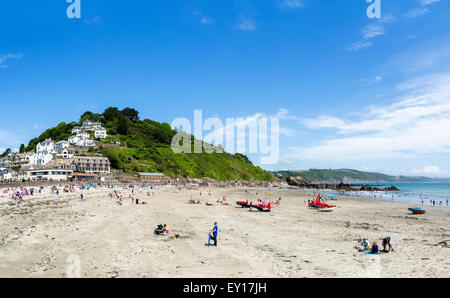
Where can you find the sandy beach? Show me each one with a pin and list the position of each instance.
(41, 236)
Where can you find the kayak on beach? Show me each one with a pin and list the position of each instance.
(416, 210)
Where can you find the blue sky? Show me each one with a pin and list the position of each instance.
(351, 92)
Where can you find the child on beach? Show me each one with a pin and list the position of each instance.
(374, 250)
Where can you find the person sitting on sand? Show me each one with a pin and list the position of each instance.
(374, 250)
(364, 246)
(165, 231)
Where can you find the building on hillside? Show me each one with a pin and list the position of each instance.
(61, 145)
(63, 163)
(100, 133)
(90, 126)
(47, 146)
(66, 153)
(82, 139)
(7, 175)
(44, 173)
(76, 130)
(80, 177)
(92, 164)
(153, 177)
(22, 159)
(41, 158)
(87, 126)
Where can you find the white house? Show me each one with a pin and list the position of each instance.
(47, 146)
(82, 139)
(65, 153)
(77, 130)
(61, 145)
(90, 126)
(41, 158)
(100, 133)
(83, 135)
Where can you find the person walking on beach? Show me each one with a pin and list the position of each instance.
(213, 235)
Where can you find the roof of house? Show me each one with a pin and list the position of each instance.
(152, 174)
(82, 175)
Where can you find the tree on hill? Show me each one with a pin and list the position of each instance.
(122, 126)
(59, 133)
(22, 148)
(131, 114)
(111, 114)
(6, 153)
(90, 116)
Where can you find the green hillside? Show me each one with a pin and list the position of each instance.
(145, 146)
(347, 175)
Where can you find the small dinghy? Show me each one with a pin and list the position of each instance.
(416, 210)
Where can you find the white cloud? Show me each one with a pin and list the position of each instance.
(204, 20)
(292, 3)
(245, 25)
(431, 169)
(372, 30)
(415, 125)
(94, 20)
(428, 2)
(360, 45)
(417, 12)
(7, 57)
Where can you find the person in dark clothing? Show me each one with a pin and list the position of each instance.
(387, 247)
(374, 250)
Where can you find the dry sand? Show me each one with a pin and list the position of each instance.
(37, 237)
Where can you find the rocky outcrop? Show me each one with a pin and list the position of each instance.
(293, 181)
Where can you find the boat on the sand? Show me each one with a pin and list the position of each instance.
(416, 210)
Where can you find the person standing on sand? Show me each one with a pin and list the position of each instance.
(213, 235)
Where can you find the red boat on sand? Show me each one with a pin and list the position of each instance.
(243, 204)
(318, 204)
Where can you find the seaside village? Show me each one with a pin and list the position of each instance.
(74, 159)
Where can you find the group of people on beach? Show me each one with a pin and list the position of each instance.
(374, 249)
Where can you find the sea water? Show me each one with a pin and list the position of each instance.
(414, 193)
